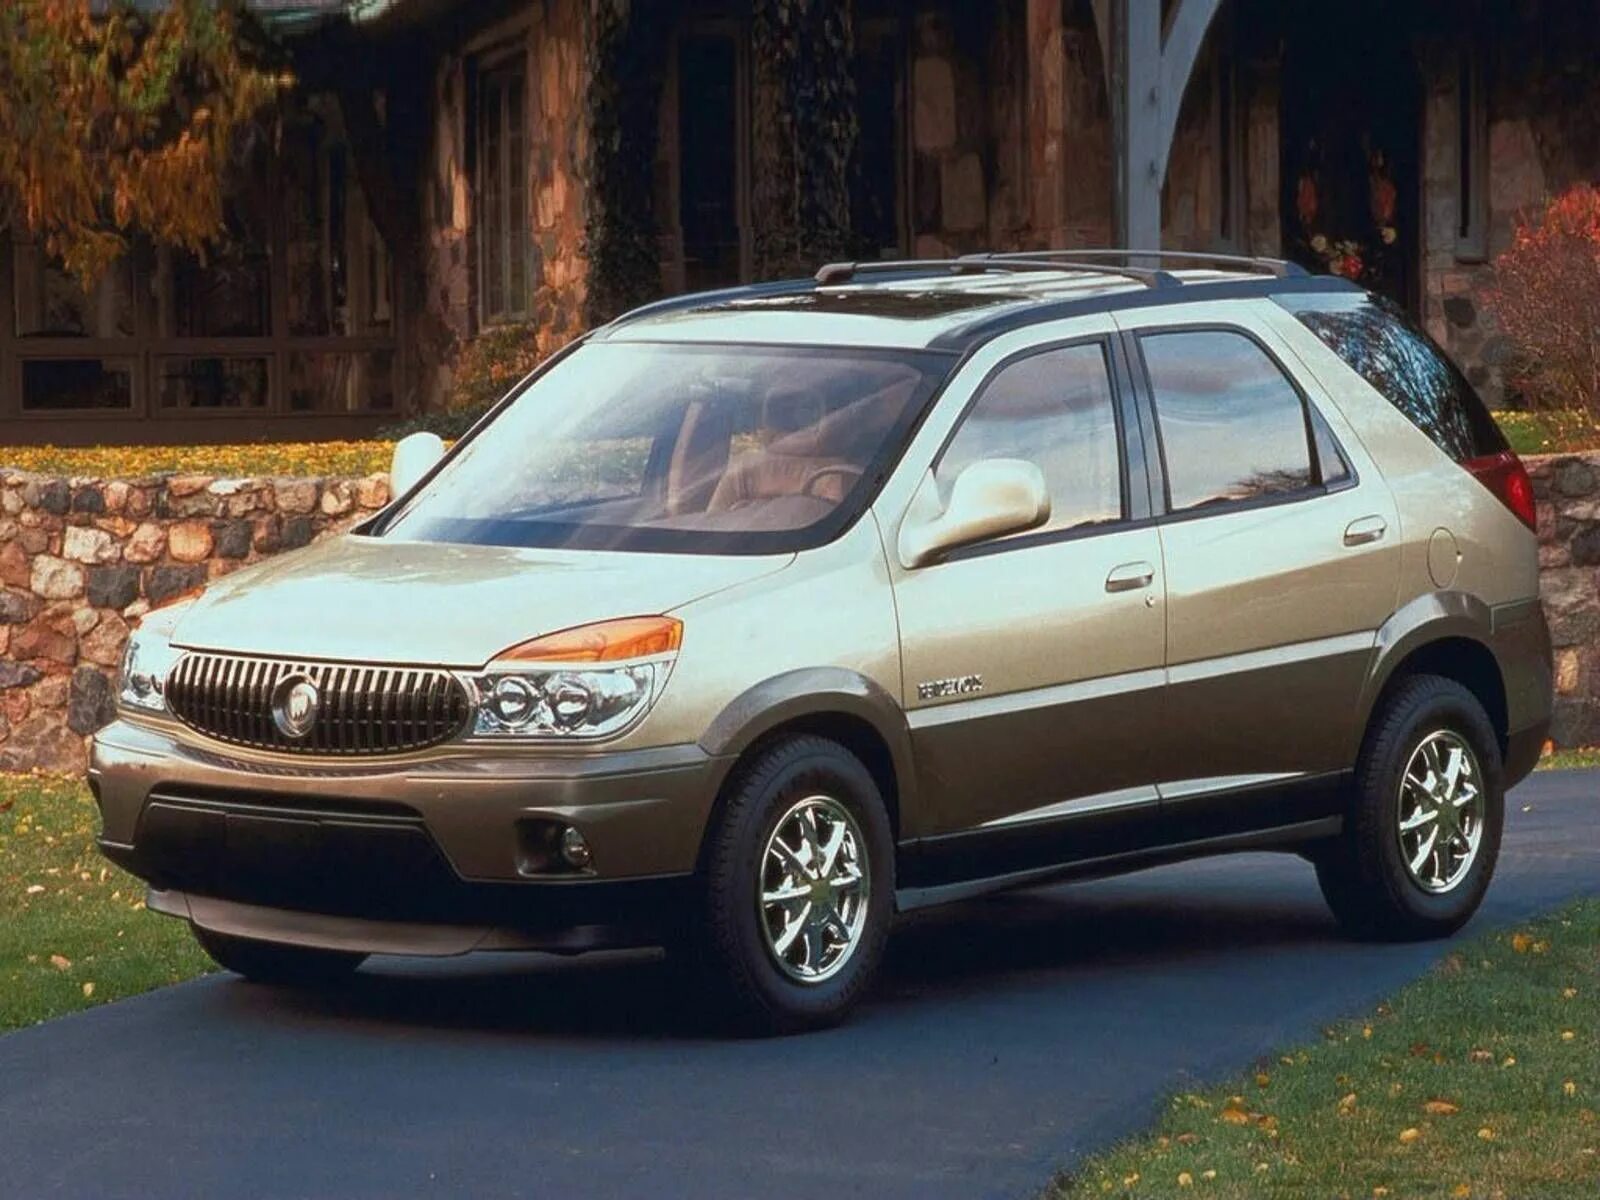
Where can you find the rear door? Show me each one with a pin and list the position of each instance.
(1281, 549)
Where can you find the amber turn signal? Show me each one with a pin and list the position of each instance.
(605, 641)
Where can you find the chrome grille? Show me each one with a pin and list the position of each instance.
(362, 709)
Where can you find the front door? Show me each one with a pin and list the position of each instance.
(1281, 547)
(1033, 663)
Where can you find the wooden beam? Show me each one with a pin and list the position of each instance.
(1147, 70)
(1180, 49)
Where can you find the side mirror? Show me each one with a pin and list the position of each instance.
(992, 497)
(414, 456)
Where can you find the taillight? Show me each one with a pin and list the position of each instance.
(1505, 476)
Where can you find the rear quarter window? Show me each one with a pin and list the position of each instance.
(1402, 363)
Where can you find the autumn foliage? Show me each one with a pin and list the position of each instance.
(1547, 298)
(115, 122)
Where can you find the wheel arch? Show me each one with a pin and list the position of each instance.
(1447, 634)
(841, 705)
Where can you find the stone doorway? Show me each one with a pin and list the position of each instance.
(1350, 132)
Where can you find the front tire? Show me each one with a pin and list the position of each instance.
(798, 888)
(275, 963)
(1423, 833)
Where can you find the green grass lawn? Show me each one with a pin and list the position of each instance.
(1480, 1080)
(73, 929)
(1548, 432)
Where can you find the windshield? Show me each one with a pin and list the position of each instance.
(687, 448)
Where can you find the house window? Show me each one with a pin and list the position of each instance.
(1230, 154)
(290, 311)
(712, 165)
(502, 191)
(877, 174)
(1472, 157)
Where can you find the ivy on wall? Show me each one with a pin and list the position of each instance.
(804, 133)
(627, 40)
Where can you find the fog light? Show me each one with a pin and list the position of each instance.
(575, 850)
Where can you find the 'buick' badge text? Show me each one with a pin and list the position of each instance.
(957, 685)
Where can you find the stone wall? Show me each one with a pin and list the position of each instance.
(1568, 490)
(82, 559)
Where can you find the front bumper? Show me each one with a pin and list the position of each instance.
(419, 855)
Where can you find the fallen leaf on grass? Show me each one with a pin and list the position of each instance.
(61, 962)
(1521, 943)
(88, 989)
(1486, 1134)
(36, 889)
(1347, 1105)
(1234, 1116)
(1407, 1136)
(1569, 1088)
(1567, 1035)
(1185, 1179)
(1441, 1108)
(1462, 1191)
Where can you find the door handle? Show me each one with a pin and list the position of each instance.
(1130, 577)
(1364, 529)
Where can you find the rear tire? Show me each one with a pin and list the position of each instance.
(1423, 832)
(798, 890)
(275, 963)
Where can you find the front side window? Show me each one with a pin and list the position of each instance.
(680, 448)
(1054, 409)
(1404, 366)
(1232, 425)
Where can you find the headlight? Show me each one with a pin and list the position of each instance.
(591, 682)
(145, 663)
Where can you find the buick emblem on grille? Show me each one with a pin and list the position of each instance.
(294, 707)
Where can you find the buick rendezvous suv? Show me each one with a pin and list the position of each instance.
(760, 616)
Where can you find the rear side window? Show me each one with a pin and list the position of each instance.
(1053, 409)
(1233, 428)
(1402, 363)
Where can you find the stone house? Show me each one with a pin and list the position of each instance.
(454, 166)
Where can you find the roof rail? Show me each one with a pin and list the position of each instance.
(1282, 268)
(978, 264)
(843, 272)
(1047, 261)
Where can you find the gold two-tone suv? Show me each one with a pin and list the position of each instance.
(757, 617)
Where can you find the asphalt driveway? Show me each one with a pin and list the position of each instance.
(1009, 1035)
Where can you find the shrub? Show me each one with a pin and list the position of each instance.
(1547, 295)
(486, 369)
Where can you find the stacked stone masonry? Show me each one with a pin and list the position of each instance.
(82, 559)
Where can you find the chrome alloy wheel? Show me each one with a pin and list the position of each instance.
(1441, 812)
(814, 889)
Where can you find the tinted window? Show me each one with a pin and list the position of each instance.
(1232, 425)
(705, 449)
(1053, 409)
(1333, 465)
(1403, 364)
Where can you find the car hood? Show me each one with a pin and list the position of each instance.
(377, 600)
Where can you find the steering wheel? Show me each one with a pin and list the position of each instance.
(845, 469)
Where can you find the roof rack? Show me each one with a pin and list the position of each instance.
(978, 264)
(1279, 267)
